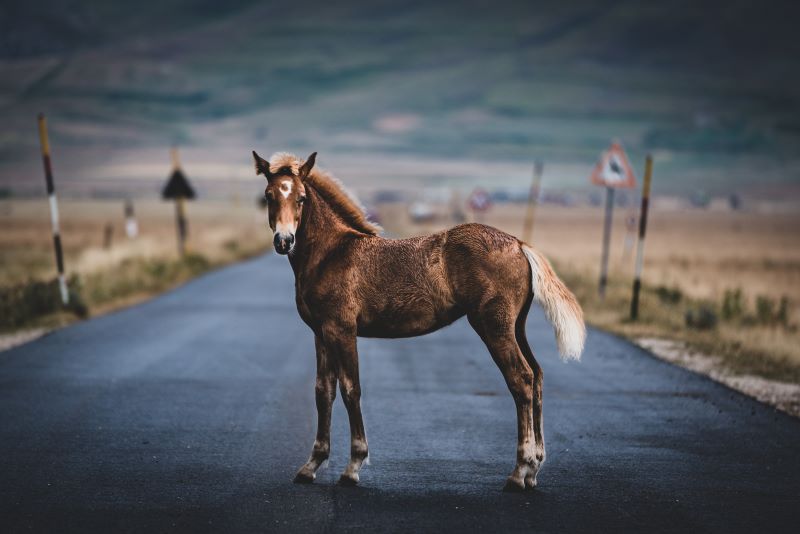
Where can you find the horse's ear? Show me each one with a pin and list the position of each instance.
(307, 166)
(262, 165)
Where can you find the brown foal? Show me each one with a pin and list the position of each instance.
(351, 282)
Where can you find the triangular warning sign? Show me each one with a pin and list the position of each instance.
(613, 169)
(177, 186)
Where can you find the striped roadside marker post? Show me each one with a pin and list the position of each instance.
(51, 193)
(131, 226)
(637, 280)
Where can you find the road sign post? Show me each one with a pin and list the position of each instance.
(637, 280)
(51, 193)
(533, 198)
(179, 190)
(613, 171)
(606, 240)
(180, 224)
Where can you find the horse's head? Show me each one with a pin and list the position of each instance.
(285, 196)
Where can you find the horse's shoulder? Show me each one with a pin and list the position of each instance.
(330, 276)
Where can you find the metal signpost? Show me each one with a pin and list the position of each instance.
(613, 171)
(179, 190)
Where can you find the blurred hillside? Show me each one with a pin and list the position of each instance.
(404, 92)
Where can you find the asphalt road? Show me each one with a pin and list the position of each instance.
(193, 411)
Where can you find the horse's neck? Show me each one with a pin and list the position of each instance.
(320, 232)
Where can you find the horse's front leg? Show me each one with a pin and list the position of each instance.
(342, 341)
(325, 390)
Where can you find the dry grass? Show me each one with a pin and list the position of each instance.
(130, 269)
(700, 253)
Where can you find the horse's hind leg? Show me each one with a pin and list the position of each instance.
(494, 322)
(538, 376)
(325, 391)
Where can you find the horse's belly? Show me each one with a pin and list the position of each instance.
(393, 323)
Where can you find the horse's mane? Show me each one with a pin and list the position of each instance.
(341, 201)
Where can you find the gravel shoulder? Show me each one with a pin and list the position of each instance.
(784, 396)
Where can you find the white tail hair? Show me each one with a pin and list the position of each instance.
(559, 304)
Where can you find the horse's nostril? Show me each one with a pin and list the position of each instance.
(283, 241)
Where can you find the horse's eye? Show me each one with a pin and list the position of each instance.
(300, 200)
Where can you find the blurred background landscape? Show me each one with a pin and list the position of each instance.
(414, 104)
(395, 91)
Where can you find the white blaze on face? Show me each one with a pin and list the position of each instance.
(286, 188)
(284, 228)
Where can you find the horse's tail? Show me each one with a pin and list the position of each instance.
(559, 304)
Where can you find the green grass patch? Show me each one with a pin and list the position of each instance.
(142, 276)
(27, 303)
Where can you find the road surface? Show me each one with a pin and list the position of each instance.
(193, 411)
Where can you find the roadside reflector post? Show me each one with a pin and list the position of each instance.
(108, 235)
(179, 190)
(51, 194)
(606, 241)
(131, 226)
(613, 171)
(533, 198)
(630, 235)
(637, 280)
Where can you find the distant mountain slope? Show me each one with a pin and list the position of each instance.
(711, 87)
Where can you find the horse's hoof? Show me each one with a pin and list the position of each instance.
(513, 486)
(348, 480)
(530, 482)
(303, 478)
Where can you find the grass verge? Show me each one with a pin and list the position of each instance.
(756, 340)
(37, 304)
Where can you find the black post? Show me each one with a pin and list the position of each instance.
(637, 280)
(180, 220)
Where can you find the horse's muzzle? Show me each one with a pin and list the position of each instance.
(283, 243)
